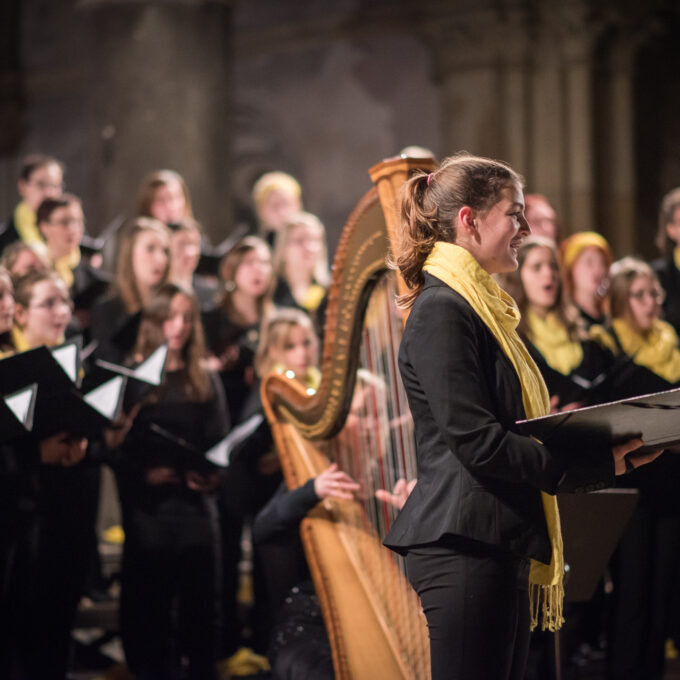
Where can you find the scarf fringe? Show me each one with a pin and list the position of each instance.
(548, 602)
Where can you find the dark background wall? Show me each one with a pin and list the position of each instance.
(580, 96)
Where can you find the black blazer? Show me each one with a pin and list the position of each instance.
(477, 477)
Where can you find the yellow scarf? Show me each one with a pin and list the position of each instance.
(26, 226)
(311, 379)
(551, 339)
(20, 341)
(64, 266)
(657, 350)
(456, 267)
(676, 257)
(313, 297)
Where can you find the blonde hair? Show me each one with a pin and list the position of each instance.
(275, 181)
(321, 273)
(275, 333)
(125, 283)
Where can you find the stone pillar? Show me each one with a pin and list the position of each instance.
(159, 98)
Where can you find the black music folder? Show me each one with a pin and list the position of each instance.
(654, 417)
(592, 525)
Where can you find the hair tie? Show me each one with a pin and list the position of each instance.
(429, 179)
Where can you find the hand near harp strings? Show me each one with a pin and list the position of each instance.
(399, 495)
(334, 483)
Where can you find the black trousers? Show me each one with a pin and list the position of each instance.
(170, 597)
(477, 608)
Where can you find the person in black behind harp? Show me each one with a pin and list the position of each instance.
(169, 597)
(480, 531)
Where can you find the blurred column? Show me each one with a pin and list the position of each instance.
(159, 97)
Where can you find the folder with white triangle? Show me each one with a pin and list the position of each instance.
(68, 357)
(150, 371)
(22, 405)
(108, 397)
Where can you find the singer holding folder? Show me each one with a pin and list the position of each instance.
(480, 530)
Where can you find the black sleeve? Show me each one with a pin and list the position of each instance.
(444, 350)
(284, 512)
(218, 421)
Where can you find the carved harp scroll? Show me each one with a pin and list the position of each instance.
(359, 418)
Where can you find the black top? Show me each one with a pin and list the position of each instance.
(477, 477)
(108, 321)
(223, 333)
(669, 276)
(200, 424)
(8, 233)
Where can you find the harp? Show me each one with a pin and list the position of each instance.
(358, 418)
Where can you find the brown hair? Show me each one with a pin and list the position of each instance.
(154, 181)
(6, 340)
(512, 282)
(669, 204)
(11, 254)
(622, 275)
(49, 205)
(23, 286)
(34, 161)
(125, 283)
(275, 332)
(228, 267)
(197, 380)
(430, 205)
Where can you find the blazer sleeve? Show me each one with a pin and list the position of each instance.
(444, 349)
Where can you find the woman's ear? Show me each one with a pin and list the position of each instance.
(467, 221)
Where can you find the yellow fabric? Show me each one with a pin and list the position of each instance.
(20, 341)
(244, 662)
(311, 379)
(27, 226)
(313, 297)
(676, 257)
(551, 339)
(572, 246)
(64, 266)
(456, 267)
(656, 350)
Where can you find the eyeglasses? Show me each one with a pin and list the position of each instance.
(656, 295)
(43, 186)
(52, 303)
(67, 222)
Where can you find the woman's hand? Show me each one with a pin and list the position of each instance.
(556, 408)
(334, 483)
(62, 449)
(624, 461)
(202, 483)
(115, 435)
(158, 476)
(399, 495)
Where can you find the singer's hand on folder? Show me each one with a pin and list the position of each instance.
(625, 460)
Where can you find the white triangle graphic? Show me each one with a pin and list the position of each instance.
(220, 454)
(106, 397)
(21, 402)
(151, 370)
(67, 357)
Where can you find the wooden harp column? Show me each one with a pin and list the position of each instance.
(359, 418)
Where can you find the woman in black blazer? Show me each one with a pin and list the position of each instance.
(477, 517)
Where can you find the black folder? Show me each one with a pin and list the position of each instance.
(654, 417)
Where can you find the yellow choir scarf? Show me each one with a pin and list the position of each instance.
(676, 257)
(656, 350)
(311, 379)
(20, 341)
(64, 266)
(551, 339)
(313, 297)
(456, 267)
(27, 227)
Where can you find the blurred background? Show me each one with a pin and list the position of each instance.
(581, 96)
